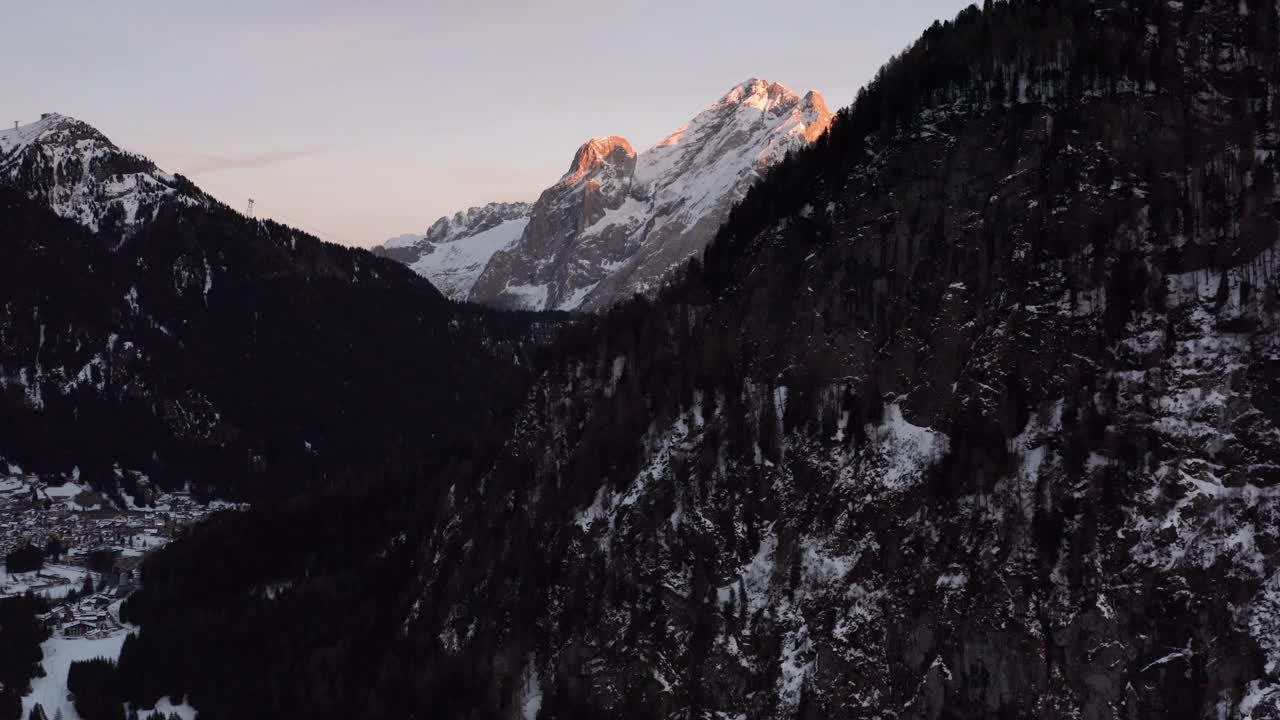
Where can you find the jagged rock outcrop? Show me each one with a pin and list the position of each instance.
(455, 249)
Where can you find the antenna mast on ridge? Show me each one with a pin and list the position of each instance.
(250, 213)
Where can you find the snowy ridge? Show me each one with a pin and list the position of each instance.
(403, 241)
(639, 217)
(82, 175)
(454, 267)
(455, 249)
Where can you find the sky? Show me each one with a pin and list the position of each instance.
(358, 121)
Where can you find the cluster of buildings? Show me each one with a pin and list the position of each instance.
(91, 617)
(96, 547)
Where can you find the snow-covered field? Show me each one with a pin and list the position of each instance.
(50, 691)
(53, 581)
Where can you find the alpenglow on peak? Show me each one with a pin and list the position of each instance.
(619, 222)
(596, 152)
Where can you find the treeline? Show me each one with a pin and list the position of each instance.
(96, 693)
(21, 633)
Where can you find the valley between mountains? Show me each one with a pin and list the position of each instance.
(959, 402)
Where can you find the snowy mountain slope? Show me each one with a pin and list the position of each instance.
(83, 176)
(454, 267)
(404, 240)
(454, 250)
(628, 240)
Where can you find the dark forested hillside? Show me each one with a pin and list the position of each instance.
(21, 633)
(969, 411)
(240, 356)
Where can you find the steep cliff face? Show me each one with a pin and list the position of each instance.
(455, 249)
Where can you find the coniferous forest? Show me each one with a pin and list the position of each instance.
(969, 410)
(261, 358)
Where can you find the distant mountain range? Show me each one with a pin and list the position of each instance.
(617, 223)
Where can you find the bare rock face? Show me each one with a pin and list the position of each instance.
(455, 249)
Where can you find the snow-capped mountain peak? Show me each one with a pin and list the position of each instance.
(759, 94)
(662, 207)
(15, 139)
(82, 175)
(617, 222)
(596, 153)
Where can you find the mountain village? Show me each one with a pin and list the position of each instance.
(93, 547)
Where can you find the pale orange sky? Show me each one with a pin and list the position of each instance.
(359, 121)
